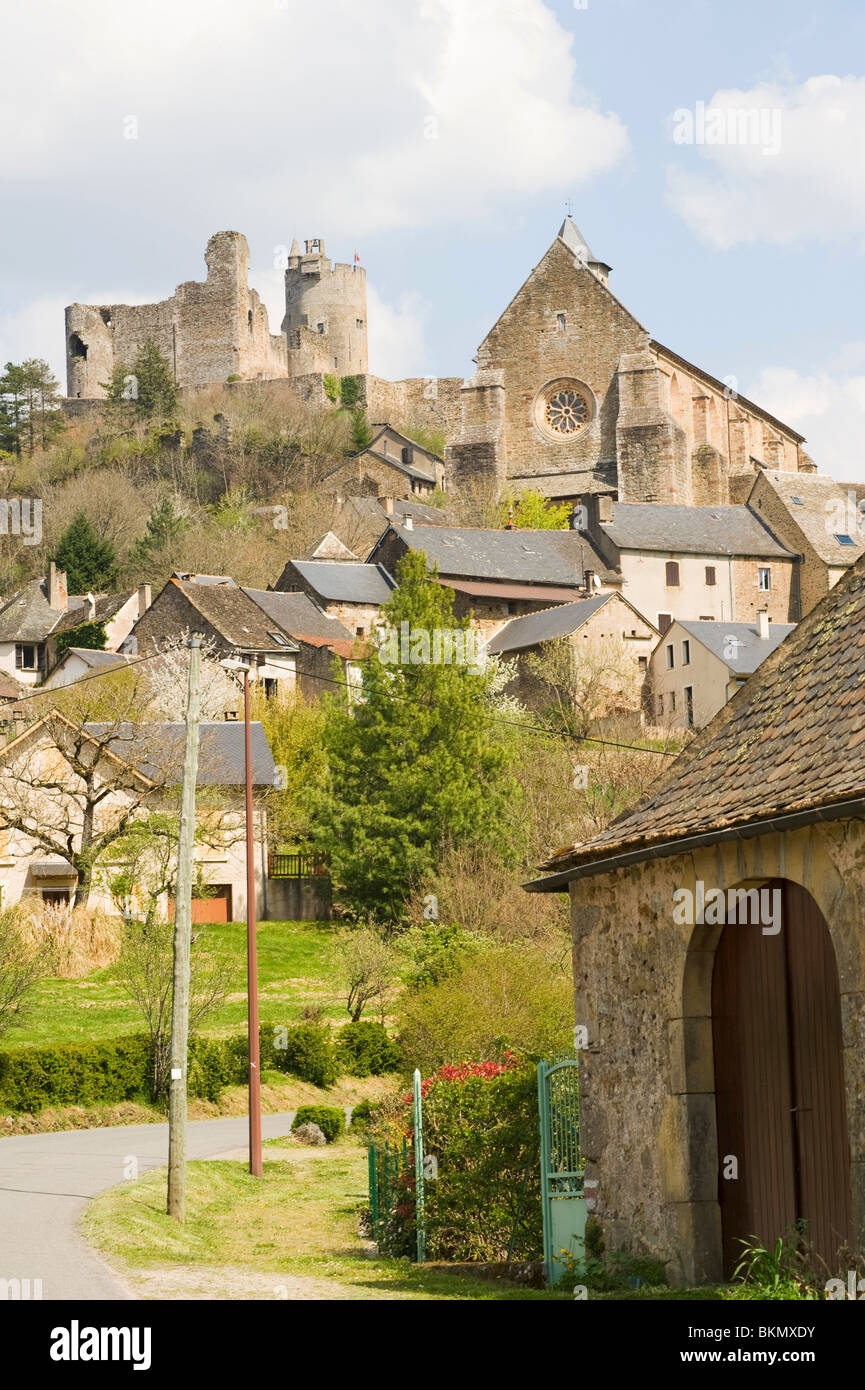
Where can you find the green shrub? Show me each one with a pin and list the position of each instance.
(361, 1117)
(364, 1049)
(305, 1050)
(331, 387)
(330, 1120)
(350, 391)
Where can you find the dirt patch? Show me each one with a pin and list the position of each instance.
(195, 1282)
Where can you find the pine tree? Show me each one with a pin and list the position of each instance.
(29, 406)
(361, 434)
(163, 526)
(90, 563)
(147, 387)
(415, 762)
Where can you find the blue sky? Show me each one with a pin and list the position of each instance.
(277, 118)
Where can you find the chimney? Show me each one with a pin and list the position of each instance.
(143, 598)
(388, 505)
(409, 523)
(763, 624)
(56, 587)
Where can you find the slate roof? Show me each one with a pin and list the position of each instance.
(92, 658)
(820, 499)
(157, 751)
(28, 617)
(342, 581)
(297, 615)
(751, 650)
(528, 557)
(234, 615)
(106, 607)
(673, 528)
(532, 628)
(792, 739)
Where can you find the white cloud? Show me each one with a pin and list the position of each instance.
(828, 407)
(261, 112)
(396, 335)
(810, 189)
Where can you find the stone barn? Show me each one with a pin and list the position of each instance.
(719, 968)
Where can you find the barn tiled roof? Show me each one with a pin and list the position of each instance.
(791, 740)
(297, 615)
(234, 615)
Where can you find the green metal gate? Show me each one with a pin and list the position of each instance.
(562, 1165)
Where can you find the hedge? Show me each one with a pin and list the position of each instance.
(119, 1069)
(329, 1119)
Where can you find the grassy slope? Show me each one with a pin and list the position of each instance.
(295, 967)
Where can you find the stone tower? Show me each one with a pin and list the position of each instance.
(325, 313)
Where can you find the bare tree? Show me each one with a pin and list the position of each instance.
(368, 969)
(21, 964)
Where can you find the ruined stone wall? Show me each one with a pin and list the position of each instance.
(643, 989)
(206, 331)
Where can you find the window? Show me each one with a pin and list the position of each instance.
(764, 579)
(664, 621)
(686, 653)
(689, 705)
(844, 540)
(320, 327)
(642, 662)
(671, 657)
(710, 574)
(672, 702)
(271, 688)
(672, 574)
(26, 656)
(56, 895)
(358, 323)
(660, 704)
(560, 323)
(358, 632)
(798, 501)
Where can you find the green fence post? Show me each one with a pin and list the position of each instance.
(373, 1191)
(418, 1170)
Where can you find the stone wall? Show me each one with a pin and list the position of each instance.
(206, 331)
(643, 990)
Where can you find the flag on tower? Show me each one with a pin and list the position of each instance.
(356, 258)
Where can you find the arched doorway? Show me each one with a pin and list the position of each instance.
(779, 1083)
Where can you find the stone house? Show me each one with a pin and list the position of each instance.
(253, 625)
(818, 519)
(697, 667)
(572, 396)
(719, 969)
(497, 575)
(137, 769)
(611, 645)
(353, 594)
(33, 618)
(390, 463)
(704, 563)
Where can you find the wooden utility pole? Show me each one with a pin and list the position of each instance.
(251, 952)
(182, 944)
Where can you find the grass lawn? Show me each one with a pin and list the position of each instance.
(291, 1234)
(295, 968)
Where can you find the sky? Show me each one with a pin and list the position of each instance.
(444, 140)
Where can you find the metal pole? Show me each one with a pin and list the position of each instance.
(251, 955)
(418, 1170)
(182, 944)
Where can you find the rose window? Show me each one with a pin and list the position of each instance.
(566, 410)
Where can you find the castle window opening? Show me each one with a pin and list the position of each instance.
(76, 346)
(249, 319)
(106, 317)
(561, 320)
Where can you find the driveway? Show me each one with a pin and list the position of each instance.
(47, 1179)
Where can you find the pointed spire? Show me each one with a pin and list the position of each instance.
(295, 247)
(573, 238)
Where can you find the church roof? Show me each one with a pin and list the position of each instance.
(787, 749)
(575, 241)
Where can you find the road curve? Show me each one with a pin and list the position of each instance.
(46, 1180)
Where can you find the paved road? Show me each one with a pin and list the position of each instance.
(47, 1179)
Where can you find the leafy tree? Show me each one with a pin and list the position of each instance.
(147, 387)
(163, 527)
(89, 562)
(414, 761)
(29, 406)
(89, 635)
(533, 512)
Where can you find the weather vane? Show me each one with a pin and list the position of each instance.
(569, 204)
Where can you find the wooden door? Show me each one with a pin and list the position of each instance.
(776, 1024)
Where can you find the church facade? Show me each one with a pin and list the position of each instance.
(572, 396)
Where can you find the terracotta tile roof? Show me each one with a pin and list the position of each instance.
(791, 740)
